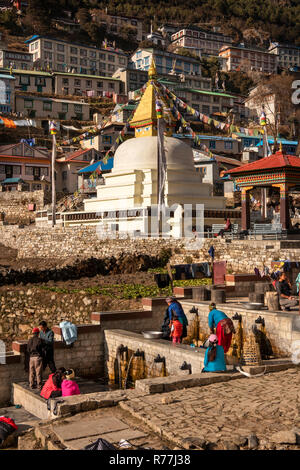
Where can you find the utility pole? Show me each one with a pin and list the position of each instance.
(53, 131)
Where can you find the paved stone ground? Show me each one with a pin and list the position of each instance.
(226, 412)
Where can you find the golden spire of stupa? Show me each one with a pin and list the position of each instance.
(145, 117)
(152, 73)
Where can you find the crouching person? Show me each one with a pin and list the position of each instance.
(69, 387)
(214, 360)
(52, 388)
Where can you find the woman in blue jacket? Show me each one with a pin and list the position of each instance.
(214, 360)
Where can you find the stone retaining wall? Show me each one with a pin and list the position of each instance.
(175, 355)
(86, 357)
(82, 242)
(23, 309)
(14, 205)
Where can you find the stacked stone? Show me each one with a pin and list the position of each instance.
(251, 354)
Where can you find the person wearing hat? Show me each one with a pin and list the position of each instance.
(175, 310)
(69, 386)
(35, 352)
(214, 360)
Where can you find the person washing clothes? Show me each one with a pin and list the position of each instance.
(175, 308)
(214, 360)
(176, 329)
(224, 326)
(68, 386)
(52, 387)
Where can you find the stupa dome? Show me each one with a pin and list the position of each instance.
(141, 154)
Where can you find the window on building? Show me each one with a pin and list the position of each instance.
(47, 45)
(83, 52)
(29, 170)
(88, 83)
(212, 144)
(102, 65)
(64, 107)
(205, 109)
(40, 81)
(24, 80)
(48, 55)
(111, 58)
(102, 56)
(28, 104)
(44, 171)
(106, 139)
(111, 67)
(60, 47)
(17, 169)
(74, 50)
(78, 108)
(228, 145)
(47, 106)
(83, 62)
(122, 61)
(99, 84)
(65, 81)
(73, 60)
(60, 58)
(64, 175)
(93, 54)
(77, 82)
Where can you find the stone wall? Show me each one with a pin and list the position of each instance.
(14, 205)
(281, 329)
(86, 357)
(145, 367)
(83, 242)
(23, 309)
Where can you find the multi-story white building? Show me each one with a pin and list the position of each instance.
(205, 42)
(165, 62)
(7, 93)
(245, 59)
(63, 56)
(288, 55)
(44, 109)
(15, 59)
(85, 85)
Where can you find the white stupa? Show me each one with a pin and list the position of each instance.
(133, 180)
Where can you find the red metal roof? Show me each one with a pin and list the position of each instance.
(278, 160)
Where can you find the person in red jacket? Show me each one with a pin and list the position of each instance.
(176, 329)
(52, 388)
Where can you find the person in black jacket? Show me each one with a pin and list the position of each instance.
(35, 352)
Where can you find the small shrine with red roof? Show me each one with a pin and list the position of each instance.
(276, 171)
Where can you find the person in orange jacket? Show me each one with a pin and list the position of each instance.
(176, 329)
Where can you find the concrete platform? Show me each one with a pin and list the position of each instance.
(23, 419)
